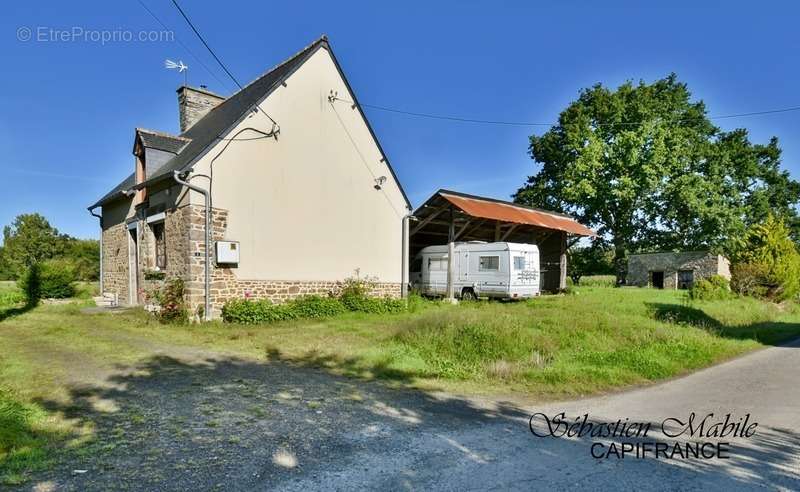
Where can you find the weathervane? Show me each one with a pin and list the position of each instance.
(180, 66)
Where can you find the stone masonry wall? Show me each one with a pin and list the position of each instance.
(224, 284)
(115, 261)
(703, 264)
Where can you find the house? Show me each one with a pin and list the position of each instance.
(300, 194)
(451, 216)
(675, 270)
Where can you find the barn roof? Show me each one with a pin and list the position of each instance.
(489, 208)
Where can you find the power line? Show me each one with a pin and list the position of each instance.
(527, 123)
(200, 36)
(154, 16)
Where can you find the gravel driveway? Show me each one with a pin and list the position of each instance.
(221, 423)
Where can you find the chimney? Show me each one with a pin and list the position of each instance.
(194, 103)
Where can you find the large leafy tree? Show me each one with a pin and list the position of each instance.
(645, 166)
(31, 239)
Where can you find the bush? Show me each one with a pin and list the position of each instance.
(30, 283)
(56, 279)
(355, 295)
(171, 302)
(767, 263)
(316, 307)
(253, 312)
(714, 288)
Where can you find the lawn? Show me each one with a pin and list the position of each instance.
(594, 340)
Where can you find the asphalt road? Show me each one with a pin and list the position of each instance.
(210, 422)
(501, 453)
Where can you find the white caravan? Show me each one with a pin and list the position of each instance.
(500, 270)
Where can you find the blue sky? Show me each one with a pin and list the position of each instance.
(68, 108)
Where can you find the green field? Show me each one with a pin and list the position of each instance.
(594, 340)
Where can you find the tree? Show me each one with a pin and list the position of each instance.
(590, 260)
(31, 239)
(644, 165)
(85, 253)
(766, 262)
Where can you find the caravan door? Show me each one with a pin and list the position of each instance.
(462, 267)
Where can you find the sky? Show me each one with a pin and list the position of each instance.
(77, 79)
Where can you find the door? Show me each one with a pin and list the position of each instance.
(133, 264)
(685, 279)
(657, 279)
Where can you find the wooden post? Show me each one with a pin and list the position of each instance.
(562, 263)
(405, 260)
(451, 252)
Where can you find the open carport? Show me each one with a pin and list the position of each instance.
(450, 216)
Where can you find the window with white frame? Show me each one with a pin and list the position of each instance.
(437, 264)
(519, 263)
(489, 263)
(161, 245)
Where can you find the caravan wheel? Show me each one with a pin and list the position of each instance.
(468, 294)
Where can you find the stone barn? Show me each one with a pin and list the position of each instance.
(675, 270)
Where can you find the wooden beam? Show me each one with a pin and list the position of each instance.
(463, 228)
(427, 219)
(497, 231)
(509, 231)
(451, 252)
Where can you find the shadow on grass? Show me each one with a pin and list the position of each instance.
(766, 332)
(10, 312)
(228, 423)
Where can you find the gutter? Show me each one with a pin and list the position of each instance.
(207, 267)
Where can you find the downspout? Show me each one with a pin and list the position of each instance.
(91, 211)
(207, 268)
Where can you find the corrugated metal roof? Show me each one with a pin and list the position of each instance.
(507, 212)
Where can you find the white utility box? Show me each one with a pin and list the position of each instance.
(228, 252)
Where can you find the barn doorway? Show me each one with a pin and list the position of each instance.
(657, 279)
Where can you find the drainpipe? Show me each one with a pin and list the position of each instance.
(91, 211)
(207, 268)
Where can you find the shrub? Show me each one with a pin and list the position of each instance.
(252, 312)
(56, 279)
(31, 284)
(767, 263)
(171, 302)
(714, 288)
(316, 307)
(355, 296)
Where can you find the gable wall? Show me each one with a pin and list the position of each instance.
(303, 207)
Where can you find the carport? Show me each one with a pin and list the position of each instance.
(450, 216)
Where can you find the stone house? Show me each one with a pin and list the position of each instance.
(675, 270)
(300, 193)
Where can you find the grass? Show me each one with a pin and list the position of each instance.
(594, 340)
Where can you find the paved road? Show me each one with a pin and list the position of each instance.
(500, 454)
(225, 424)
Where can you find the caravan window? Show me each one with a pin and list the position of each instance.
(416, 265)
(437, 264)
(519, 263)
(489, 263)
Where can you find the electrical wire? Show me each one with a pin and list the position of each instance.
(363, 159)
(202, 40)
(526, 123)
(154, 16)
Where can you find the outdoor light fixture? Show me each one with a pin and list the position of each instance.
(379, 182)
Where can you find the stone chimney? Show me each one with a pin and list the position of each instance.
(194, 103)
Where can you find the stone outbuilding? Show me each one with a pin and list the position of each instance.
(675, 270)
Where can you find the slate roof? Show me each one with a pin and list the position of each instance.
(161, 141)
(206, 131)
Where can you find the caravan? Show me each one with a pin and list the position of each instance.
(499, 270)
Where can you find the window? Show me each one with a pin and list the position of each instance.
(489, 263)
(416, 265)
(519, 263)
(161, 245)
(437, 264)
(685, 279)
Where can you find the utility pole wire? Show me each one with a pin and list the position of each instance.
(526, 123)
(200, 36)
(197, 58)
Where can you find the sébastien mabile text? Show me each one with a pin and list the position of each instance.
(694, 436)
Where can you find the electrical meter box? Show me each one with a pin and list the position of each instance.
(228, 252)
